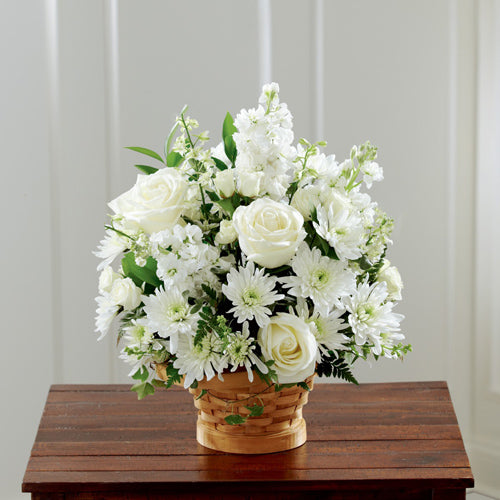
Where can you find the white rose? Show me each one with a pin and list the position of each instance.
(392, 278)
(106, 279)
(289, 342)
(125, 293)
(224, 183)
(269, 232)
(154, 203)
(305, 200)
(227, 233)
(249, 183)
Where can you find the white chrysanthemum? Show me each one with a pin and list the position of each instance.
(371, 316)
(325, 328)
(168, 313)
(201, 360)
(110, 247)
(138, 334)
(250, 291)
(342, 227)
(106, 312)
(320, 278)
(240, 352)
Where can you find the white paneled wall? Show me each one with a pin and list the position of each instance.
(81, 80)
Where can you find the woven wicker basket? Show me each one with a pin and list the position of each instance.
(280, 427)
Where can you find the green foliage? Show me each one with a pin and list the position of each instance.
(158, 383)
(168, 141)
(219, 163)
(143, 389)
(173, 376)
(174, 159)
(235, 419)
(141, 374)
(202, 393)
(304, 386)
(333, 365)
(138, 274)
(255, 410)
(146, 151)
(280, 387)
(145, 169)
(271, 376)
(228, 129)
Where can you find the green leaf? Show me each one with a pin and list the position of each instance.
(226, 205)
(146, 151)
(219, 163)
(174, 159)
(143, 389)
(235, 419)
(141, 374)
(168, 142)
(158, 383)
(173, 376)
(146, 169)
(194, 385)
(304, 386)
(255, 410)
(202, 393)
(213, 196)
(280, 387)
(228, 129)
(138, 274)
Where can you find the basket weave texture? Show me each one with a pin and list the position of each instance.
(280, 427)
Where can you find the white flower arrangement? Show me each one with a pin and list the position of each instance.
(256, 255)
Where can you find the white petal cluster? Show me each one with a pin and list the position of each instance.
(371, 317)
(257, 254)
(264, 141)
(250, 291)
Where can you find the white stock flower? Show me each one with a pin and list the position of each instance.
(371, 315)
(289, 342)
(125, 293)
(201, 360)
(250, 291)
(168, 313)
(390, 275)
(106, 279)
(320, 278)
(342, 227)
(227, 234)
(154, 203)
(372, 172)
(269, 232)
(240, 352)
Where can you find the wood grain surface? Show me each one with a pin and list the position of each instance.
(396, 440)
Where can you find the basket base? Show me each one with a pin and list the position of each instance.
(288, 439)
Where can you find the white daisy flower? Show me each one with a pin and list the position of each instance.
(250, 291)
(325, 281)
(240, 352)
(201, 360)
(371, 317)
(168, 314)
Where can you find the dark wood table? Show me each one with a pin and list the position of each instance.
(379, 441)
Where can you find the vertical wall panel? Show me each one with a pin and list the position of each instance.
(80, 166)
(25, 292)
(387, 70)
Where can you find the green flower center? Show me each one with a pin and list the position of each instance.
(250, 297)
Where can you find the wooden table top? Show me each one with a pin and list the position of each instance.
(100, 438)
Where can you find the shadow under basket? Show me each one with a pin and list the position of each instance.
(280, 427)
